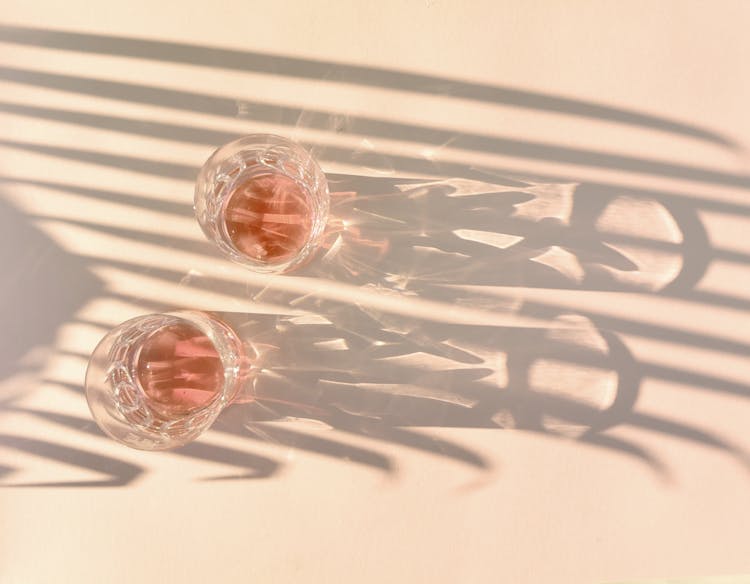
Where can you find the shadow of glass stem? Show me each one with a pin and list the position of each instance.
(357, 365)
(416, 236)
(379, 375)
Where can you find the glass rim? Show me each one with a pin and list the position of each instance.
(214, 224)
(156, 437)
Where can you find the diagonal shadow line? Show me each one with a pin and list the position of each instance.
(131, 163)
(122, 473)
(684, 338)
(693, 379)
(609, 442)
(690, 278)
(556, 407)
(688, 295)
(68, 484)
(686, 432)
(266, 112)
(399, 433)
(183, 171)
(374, 429)
(161, 130)
(213, 137)
(232, 422)
(628, 384)
(686, 279)
(644, 329)
(258, 466)
(149, 203)
(577, 412)
(229, 287)
(630, 367)
(306, 68)
(186, 244)
(697, 296)
(377, 429)
(604, 322)
(667, 197)
(573, 412)
(367, 428)
(709, 298)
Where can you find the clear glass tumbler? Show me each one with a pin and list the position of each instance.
(157, 381)
(263, 200)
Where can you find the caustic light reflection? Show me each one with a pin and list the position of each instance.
(268, 217)
(179, 369)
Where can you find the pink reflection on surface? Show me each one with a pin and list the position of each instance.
(179, 369)
(268, 217)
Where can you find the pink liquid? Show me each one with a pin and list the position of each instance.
(179, 369)
(268, 218)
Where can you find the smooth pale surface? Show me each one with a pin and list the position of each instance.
(546, 509)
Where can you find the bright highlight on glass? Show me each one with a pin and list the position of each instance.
(263, 200)
(157, 381)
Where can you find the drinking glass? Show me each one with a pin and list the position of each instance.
(263, 200)
(157, 381)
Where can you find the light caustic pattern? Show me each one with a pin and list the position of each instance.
(179, 370)
(268, 217)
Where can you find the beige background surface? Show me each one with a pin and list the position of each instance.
(641, 104)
